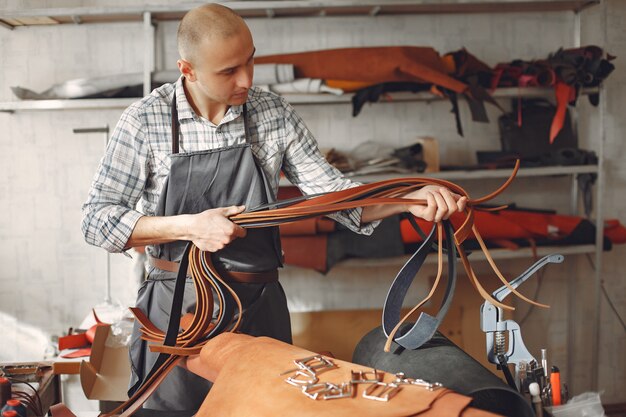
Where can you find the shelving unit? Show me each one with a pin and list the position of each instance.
(496, 254)
(289, 8)
(301, 99)
(151, 15)
(489, 173)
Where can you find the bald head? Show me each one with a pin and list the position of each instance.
(207, 22)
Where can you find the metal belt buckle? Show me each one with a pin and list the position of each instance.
(315, 390)
(361, 377)
(380, 391)
(402, 380)
(345, 390)
(430, 386)
(311, 364)
(302, 378)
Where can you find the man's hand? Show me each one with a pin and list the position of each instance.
(441, 203)
(211, 230)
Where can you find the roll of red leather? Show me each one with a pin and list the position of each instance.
(5, 391)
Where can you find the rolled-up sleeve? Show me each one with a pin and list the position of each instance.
(305, 166)
(109, 214)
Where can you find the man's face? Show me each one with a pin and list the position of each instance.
(224, 68)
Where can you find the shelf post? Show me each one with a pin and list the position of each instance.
(571, 289)
(599, 209)
(148, 58)
(599, 221)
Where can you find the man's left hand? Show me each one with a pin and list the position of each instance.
(441, 203)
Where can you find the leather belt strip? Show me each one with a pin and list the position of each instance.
(175, 344)
(228, 276)
(426, 325)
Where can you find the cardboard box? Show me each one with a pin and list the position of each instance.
(430, 153)
(106, 375)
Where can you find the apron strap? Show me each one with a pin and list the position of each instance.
(174, 125)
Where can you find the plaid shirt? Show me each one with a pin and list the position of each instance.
(132, 172)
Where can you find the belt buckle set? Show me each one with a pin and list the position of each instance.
(402, 380)
(305, 377)
(381, 391)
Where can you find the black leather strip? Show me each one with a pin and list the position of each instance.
(175, 313)
(400, 285)
(426, 325)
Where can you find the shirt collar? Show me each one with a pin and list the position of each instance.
(184, 108)
(185, 111)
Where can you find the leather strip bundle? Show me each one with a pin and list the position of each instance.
(199, 327)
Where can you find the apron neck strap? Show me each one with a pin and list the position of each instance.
(175, 124)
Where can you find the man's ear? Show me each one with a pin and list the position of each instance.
(186, 69)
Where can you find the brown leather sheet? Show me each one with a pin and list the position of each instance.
(247, 381)
(383, 64)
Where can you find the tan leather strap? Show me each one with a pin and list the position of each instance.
(229, 276)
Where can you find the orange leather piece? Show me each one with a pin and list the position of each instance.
(241, 362)
(80, 353)
(491, 226)
(564, 94)
(306, 251)
(392, 63)
(60, 410)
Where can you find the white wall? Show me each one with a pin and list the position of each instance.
(50, 278)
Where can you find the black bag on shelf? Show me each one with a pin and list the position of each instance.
(530, 141)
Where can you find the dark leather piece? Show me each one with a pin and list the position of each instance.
(384, 242)
(531, 140)
(372, 93)
(426, 326)
(440, 360)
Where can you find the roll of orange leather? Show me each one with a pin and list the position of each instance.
(390, 63)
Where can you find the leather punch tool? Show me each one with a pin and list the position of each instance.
(496, 328)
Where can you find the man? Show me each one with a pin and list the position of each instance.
(196, 152)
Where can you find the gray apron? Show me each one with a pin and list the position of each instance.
(200, 181)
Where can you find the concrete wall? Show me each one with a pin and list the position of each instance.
(50, 278)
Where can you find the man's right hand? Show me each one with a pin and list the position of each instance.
(209, 230)
(212, 230)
